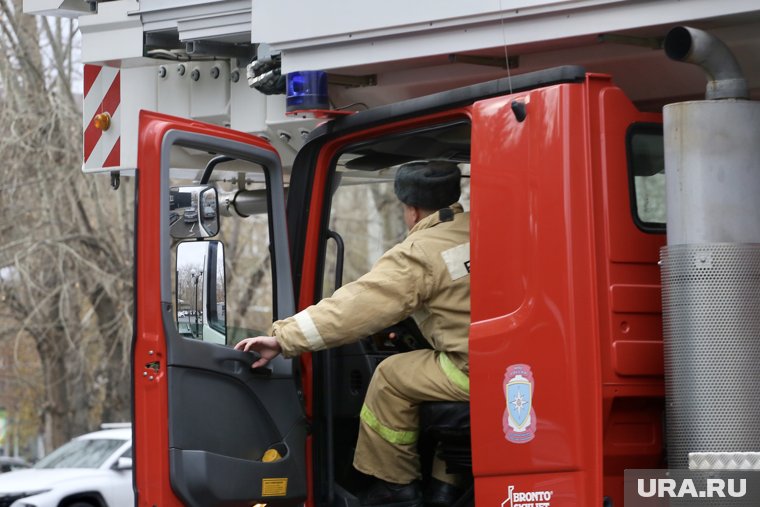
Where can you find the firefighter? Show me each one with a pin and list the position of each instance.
(427, 277)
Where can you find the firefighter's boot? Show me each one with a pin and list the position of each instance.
(388, 494)
(441, 494)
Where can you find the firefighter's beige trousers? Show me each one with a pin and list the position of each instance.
(387, 446)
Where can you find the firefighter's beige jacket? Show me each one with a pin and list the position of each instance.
(427, 276)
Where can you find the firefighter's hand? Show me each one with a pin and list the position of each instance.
(266, 346)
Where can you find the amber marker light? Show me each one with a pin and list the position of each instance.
(102, 121)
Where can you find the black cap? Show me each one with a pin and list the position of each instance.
(429, 185)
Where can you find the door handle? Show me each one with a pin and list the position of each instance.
(242, 362)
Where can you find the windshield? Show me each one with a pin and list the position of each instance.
(89, 453)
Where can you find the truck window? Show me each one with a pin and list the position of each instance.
(646, 167)
(243, 304)
(364, 210)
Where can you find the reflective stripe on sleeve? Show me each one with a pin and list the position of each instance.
(386, 433)
(457, 376)
(309, 330)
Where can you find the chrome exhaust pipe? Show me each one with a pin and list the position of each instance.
(690, 45)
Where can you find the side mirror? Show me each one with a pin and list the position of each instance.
(193, 212)
(123, 464)
(200, 291)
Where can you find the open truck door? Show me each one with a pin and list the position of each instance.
(209, 429)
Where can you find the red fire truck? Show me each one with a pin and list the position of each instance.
(566, 184)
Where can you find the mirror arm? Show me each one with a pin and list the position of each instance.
(211, 165)
(244, 203)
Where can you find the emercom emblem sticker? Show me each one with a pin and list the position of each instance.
(519, 421)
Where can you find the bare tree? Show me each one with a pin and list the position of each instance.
(65, 239)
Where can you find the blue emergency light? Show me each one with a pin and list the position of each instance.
(306, 90)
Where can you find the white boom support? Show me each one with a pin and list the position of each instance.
(383, 52)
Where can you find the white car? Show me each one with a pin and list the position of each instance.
(94, 470)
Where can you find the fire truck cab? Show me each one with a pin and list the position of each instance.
(561, 285)
(242, 191)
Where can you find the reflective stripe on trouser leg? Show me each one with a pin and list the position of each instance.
(399, 384)
(388, 434)
(461, 380)
(457, 376)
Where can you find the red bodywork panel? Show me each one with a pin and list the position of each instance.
(564, 282)
(151, 445)
(533, 297)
